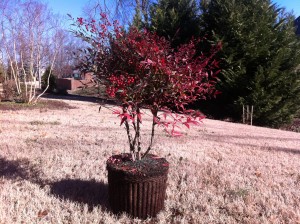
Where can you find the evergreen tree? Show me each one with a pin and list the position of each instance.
(177, 20)
(52, 80)
(259, 58)
(141, 8)
(137, 19)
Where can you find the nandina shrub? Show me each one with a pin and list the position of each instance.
(141, 70)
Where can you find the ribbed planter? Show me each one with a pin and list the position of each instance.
(137, 188)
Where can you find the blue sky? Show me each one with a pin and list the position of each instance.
(290, 5)
(74, 7)
(63, 7)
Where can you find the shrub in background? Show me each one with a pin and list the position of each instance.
(259, 59)
(9, 90)
(52, 81)
(176, 20)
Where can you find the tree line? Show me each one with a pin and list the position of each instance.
(259, 59)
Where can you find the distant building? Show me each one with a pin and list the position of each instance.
(75, 81)
(297, 25)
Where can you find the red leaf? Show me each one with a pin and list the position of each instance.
(176, 133)
(123, 120)
(217, 92)
(166, 124)
(116, 111)
(186, 124)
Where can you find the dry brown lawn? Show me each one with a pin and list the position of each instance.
(52, 169)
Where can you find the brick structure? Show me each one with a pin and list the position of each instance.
(64, 84)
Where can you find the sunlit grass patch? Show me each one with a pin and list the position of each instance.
(53, 169)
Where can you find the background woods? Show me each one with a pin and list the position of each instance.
(32, 39)
(259, 61)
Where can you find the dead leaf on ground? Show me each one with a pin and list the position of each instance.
(42, 214)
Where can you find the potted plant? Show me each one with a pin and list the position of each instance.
(142, 72)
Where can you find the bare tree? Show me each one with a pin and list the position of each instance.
(66, 58)
(28, 36)
(122, 10)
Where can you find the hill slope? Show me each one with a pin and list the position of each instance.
(52, 169)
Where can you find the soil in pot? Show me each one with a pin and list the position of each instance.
(137, 188)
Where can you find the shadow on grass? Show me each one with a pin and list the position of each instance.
(90, 192)
(20, 170)
(74, 97)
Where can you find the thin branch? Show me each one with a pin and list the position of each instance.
(48, 79)
(152, 137)
(128, 134)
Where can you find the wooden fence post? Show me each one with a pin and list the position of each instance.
(243, 114)
(251, 115)
(247, 114)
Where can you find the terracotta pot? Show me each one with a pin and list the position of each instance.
(137, 188)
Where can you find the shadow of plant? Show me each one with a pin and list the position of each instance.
(89, 192)
(99, 100)
(20, 170)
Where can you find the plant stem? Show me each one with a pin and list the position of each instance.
(128, 134)
(138, 134)
(152, 136)
(135, 129)
(131, 146)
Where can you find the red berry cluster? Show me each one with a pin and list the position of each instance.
(119, 83)
(111, 91)
(130, 80)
